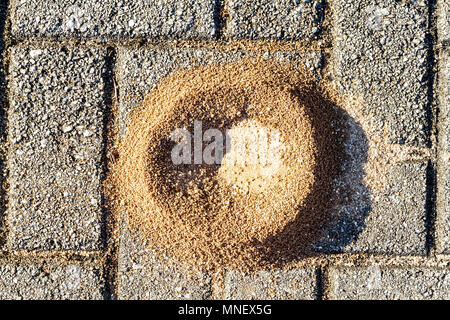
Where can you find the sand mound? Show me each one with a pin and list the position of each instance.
(240, 213)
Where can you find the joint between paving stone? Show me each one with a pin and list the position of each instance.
(5, 43)
(431, 172)
(72, 144)
(220, 18)
(32, 278)
(435, 47)
(430, 207)
(109, 217)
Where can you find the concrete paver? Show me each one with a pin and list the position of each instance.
(55, 148)
(378, 282)
(380, 56)
(393, 223)
(114, 19)
(37, 280)
(282, 20)
(284, 285)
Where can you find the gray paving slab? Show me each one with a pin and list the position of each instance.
(144, 274)
(282, 20)
(380, 57)
(114, 19)
(378, 282)
(443, 21)
(50, 281)
(443, 167)
(393, 223)
(55, 148)
(295, 284)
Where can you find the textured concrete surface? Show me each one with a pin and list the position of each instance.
(50, 281)
(443, 21)
(296, 284)
(380, 57)
(57, 84)
(394, 223)
(378, 282)
(145, 274)
(55, 148)
(443, 167)
(282, 20)
(114, 19)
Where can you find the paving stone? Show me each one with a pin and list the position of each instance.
(292, 284)
(443, 168)
(114, 19)
(265, 19)
(443, 21)
(139, 70)
(378, 282)
(55, 148)
(393, 224)
(380, 56)
(145, 274)
(37, 281)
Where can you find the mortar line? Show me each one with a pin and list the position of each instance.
(341, 260)
(320, 285)
(109, 219)
(150, 43)
(5, 23)
(431, 110)
(430, 205)
(219, 21)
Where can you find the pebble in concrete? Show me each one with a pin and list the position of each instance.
(380, 56)
(55, 148)
(114, 19)
(282, 20)
(50, 281)
(380, 283)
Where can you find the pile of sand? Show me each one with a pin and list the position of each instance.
(236, 215)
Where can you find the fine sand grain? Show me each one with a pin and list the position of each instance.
(231, 214)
